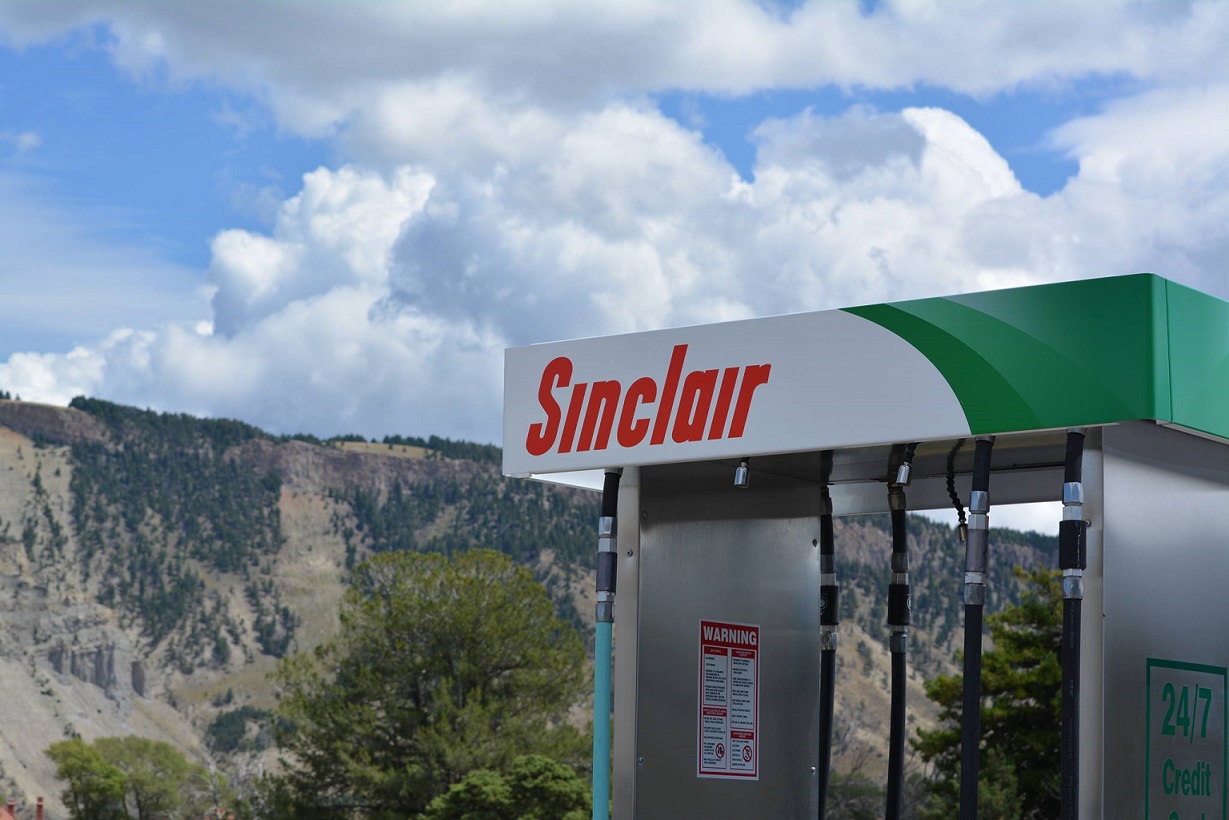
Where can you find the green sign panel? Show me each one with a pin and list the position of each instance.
(1184, 758)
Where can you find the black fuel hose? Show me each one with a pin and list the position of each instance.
(896, 735)
(829, 595)
(974, 605)
(603, 637)
(1073, 560)
(898, 623)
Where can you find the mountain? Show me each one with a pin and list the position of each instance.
(155, 567)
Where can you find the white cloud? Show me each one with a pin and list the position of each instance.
(558, 53)
(336, 232)
(380, 301)
(56, 378)
(373, 293)
(22, 141)
(1153, 142)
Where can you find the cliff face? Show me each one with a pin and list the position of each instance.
(154, 568)
(66, 663)
(42, 422)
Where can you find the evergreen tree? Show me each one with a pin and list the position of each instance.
(1021, 679)
(442, 666)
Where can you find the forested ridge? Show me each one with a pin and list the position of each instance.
(218, 546)
(165, 500)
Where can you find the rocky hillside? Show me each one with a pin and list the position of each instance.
(153, 568)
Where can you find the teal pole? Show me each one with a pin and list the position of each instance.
(601, 720)
(607, 568)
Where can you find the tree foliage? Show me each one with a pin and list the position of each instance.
(534, 788)
(855, 792)
(132, 778)
(442, 666)
(447, 448)
(95, 787)
(1021, 679)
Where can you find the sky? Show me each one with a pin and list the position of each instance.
(333, 217)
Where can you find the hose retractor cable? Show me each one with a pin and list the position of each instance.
(975, 555)
(962, 529)
(1072, 560)
(899, 604)
(829, 597)
(607, 569)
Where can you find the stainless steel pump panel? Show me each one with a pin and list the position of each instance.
(1166, 645)
(746, 560)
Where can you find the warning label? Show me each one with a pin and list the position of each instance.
(729, 701)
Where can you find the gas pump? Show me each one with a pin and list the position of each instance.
(1110, 396)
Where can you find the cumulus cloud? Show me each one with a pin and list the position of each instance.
(630, 222)
(297, 342)
(54, 378)
(336, 232)
(380, 301)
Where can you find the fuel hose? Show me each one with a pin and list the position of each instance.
(898, 623)
(607, 567)
(829, 596)
(1072, 560)
(975, 556)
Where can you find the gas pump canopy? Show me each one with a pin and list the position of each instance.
(1043, 358)
(824, 408)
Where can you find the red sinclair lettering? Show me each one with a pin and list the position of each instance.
(689, 407)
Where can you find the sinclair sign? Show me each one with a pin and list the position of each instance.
(759, 386)
(691, 408)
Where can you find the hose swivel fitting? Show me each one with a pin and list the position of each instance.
(1073, 529)
(608, 547)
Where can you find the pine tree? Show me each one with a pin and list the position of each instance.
(1021, 678)
(442, 666)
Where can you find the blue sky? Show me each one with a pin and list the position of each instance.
(166, 165)
(172, 162)
(329, 218)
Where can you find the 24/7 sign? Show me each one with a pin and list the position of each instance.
(1184, 770)
(729, 701)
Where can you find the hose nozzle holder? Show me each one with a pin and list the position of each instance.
(904, 473)
(742, 475)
